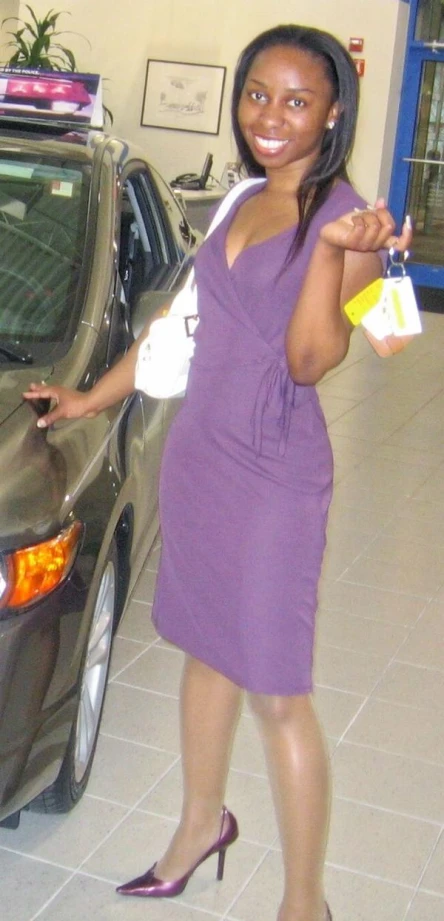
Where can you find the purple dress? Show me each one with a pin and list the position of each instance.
(247, 473)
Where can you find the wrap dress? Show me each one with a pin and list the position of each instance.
(247, 473)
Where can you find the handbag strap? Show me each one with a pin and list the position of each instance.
(228, 200)
(235, 192)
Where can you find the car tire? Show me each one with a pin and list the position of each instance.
(69, 786)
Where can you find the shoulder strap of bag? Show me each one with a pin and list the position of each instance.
(228, 201)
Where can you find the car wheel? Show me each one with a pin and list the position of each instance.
(72, 779)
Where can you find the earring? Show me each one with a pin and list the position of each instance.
(331, 124)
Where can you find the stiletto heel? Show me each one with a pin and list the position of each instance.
(150, 886)
(329, 916)
(221, 864)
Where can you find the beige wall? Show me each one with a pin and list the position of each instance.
(7, 8)
(124, 35)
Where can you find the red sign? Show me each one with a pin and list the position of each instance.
(46, 90)
(51, 95)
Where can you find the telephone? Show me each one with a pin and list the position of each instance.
(185, 177)
(192, 180)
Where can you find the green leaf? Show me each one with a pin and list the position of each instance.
(52, 20)
(31, 11)
(9, 18)
(40, 46)
(41, 25)
(24, 47)
(68, 56)
(108, 114)
(30, 27)
(16, 35)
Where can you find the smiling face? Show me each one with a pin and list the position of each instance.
(285, 106)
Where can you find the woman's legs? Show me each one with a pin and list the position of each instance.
(299, 775)
(209, 710)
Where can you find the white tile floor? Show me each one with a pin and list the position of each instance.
(380, 691)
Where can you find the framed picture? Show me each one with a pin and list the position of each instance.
(183, 97)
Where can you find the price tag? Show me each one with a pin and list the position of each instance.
(396, 313)
(364, 301)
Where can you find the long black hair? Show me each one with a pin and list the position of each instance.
(337, 143)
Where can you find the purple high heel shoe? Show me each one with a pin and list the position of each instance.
(149, 886)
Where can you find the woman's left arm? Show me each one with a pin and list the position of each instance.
(344, 261)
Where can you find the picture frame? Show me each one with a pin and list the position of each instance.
(179, 96)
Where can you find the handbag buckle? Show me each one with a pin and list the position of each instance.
(191, 323)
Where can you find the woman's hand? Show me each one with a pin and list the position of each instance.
(389, 345)
(367, 231)
(69, 404)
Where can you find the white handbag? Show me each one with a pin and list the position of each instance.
(164, 356)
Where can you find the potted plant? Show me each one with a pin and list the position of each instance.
(35, 43)
(36, 46)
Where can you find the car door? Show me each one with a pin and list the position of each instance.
(155, 247)
(184, 242)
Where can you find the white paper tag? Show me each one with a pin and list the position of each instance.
(402, 306)
(396, 313)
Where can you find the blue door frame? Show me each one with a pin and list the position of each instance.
(416, 54)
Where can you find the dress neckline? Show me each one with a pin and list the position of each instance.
(253, 246)
(339, 183)
(227, 223)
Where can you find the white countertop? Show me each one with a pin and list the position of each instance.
(201, 194)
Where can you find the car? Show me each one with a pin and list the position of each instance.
(92, 240)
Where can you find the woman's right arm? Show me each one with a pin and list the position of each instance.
(344, 261)
(115, 385)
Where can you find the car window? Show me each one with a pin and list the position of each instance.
(183, 234)
(43, 211)
(148, 255)
(138, 254)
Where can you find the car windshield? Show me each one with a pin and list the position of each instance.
(43, 209)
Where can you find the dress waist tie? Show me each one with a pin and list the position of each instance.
(276, 385)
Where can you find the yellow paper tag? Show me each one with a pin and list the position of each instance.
(362, 303)
(398, 310)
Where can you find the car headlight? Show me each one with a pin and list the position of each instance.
(28, 574)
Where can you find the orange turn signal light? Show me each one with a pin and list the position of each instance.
(33, 572)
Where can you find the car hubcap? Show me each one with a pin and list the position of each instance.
(95, 672)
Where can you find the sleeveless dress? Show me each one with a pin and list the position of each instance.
(247, 472)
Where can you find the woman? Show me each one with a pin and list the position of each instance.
(247, 470)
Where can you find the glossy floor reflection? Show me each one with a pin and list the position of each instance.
(380, 691)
